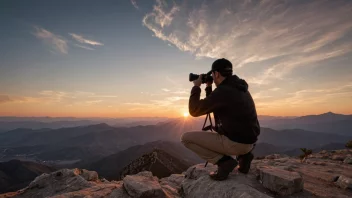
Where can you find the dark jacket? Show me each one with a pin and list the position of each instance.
(233, 108)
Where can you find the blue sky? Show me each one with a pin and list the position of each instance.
(132, 58)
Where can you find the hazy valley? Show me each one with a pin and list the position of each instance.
(115, 151)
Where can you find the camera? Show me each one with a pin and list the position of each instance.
(205, 77)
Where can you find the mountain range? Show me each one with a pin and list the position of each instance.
(114, 151)
(327, 123)
(101, 140)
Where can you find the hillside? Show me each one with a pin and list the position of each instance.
(111, 166)
(16, 174)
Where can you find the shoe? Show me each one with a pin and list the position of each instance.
(224, 169)
(245, 162)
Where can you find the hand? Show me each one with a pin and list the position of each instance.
(198, 82)
(209, 84)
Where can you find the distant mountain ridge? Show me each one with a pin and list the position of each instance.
(326, 123)
(102, 139)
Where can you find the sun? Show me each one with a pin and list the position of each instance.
(185, 114)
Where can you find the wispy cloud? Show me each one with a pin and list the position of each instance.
(306, 98)
(134, 3)
(5, 98)
(57, 42)
(284, 35)
(275, 89)
(83, 40)
(84, 47)
(166, 90)
(59, 97)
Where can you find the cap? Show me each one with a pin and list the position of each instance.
(222, 65)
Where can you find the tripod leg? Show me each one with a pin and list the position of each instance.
(211, 125)
(205, 121)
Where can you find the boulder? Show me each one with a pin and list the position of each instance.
(143, 185)
(338, 157)
(87, 175)
(199, 170)
(323, 151)
(61, 181)
(172, 184)
(281, 181)
(344, 182)
(275, 156)
(348, 160)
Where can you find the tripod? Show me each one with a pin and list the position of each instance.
(206, 128)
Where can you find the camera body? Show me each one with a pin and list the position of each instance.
(205, 77)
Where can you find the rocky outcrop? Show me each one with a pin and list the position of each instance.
(281, 181)
(159, 162)
(143, 184)
(275, 175)
(198, 184)
(344, 182)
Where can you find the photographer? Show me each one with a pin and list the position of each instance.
(236, 123)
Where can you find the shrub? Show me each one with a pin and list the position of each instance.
(349, 144)
(306, 153)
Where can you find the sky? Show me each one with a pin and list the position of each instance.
(132, 58)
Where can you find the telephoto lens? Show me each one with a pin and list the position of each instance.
(193, 77)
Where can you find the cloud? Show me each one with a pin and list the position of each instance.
(306, 98)
(134, 3)
(4, 98)
(83, 40)
(84, 47)
(283, 35)
(275, 89)
(57, 42)
(166, 90)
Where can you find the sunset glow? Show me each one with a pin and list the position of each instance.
(133, 58)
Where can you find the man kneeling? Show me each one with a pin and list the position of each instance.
(236, 123)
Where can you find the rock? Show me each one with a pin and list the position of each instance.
(119, 193)
(199, 184)
(344, 182)
(199, 170)
(281, 181)
(323, 151)
(172, 184)
(335, 178)
(319, 163)
(106, 190)
(173, 180)
(348, 160)
(61, 181)
(143, 185)
(288, 168)
(275, 156)
(88, 175)
(338, 157)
